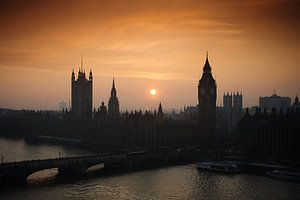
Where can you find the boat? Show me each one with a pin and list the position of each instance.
(284, 175)
(226, 167)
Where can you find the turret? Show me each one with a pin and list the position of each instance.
(296, 99)
(103, 109)
(84, 74)
(91, 75)
(73, 76)
(113, 90)
(160, 113)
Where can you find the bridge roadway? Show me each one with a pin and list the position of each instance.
(17, 172)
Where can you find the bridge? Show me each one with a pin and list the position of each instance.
(17, 172)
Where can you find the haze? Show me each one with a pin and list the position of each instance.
(253, 47)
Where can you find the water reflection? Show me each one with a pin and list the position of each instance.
(174, 182)
(18, 149)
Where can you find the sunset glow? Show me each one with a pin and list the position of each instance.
(253, 47)
(133, 85)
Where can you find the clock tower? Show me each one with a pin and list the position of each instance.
(207, 96)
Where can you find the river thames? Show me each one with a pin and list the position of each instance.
(172, 182)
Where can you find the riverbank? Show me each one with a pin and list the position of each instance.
(75, 143)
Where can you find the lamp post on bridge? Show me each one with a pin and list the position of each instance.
(2, 159)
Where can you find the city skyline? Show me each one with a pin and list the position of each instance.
(159, 45)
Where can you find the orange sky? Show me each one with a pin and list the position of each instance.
(253, 47)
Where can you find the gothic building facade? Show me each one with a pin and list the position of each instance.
(275, 101)
(264, 134)
(207, 96)
(82, 94)
(106, 126)
(232, 110)
(274, 134)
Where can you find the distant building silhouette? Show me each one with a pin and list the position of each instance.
(276, 102)
(296, 104)
(232, 110)
(82, 94)
(207, 96)
(113, 103)
(101, 114)
(103, 109)
(62, 106)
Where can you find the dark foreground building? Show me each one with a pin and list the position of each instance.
(274, 134)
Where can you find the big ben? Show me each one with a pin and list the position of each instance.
(207, 96)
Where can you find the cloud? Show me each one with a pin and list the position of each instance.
(144, 75)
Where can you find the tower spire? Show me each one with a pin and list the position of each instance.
(160, 113)
(159, 107)
(113, 89)
(207, 67)
(113, 102)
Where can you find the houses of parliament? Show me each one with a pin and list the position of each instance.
(264, 134)
(135, 129)
(82, 97)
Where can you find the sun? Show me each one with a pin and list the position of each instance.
(153, 92)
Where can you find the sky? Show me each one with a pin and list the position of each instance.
(253, 47)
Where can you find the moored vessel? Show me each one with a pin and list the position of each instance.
(218, 167)
(284, 175)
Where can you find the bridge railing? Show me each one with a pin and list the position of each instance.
(84, 157)
(104, 156)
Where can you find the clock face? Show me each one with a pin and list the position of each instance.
(212, 91)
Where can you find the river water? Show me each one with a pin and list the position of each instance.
(174, 182)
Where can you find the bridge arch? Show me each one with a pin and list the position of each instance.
(95, 167)
(42, 175)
